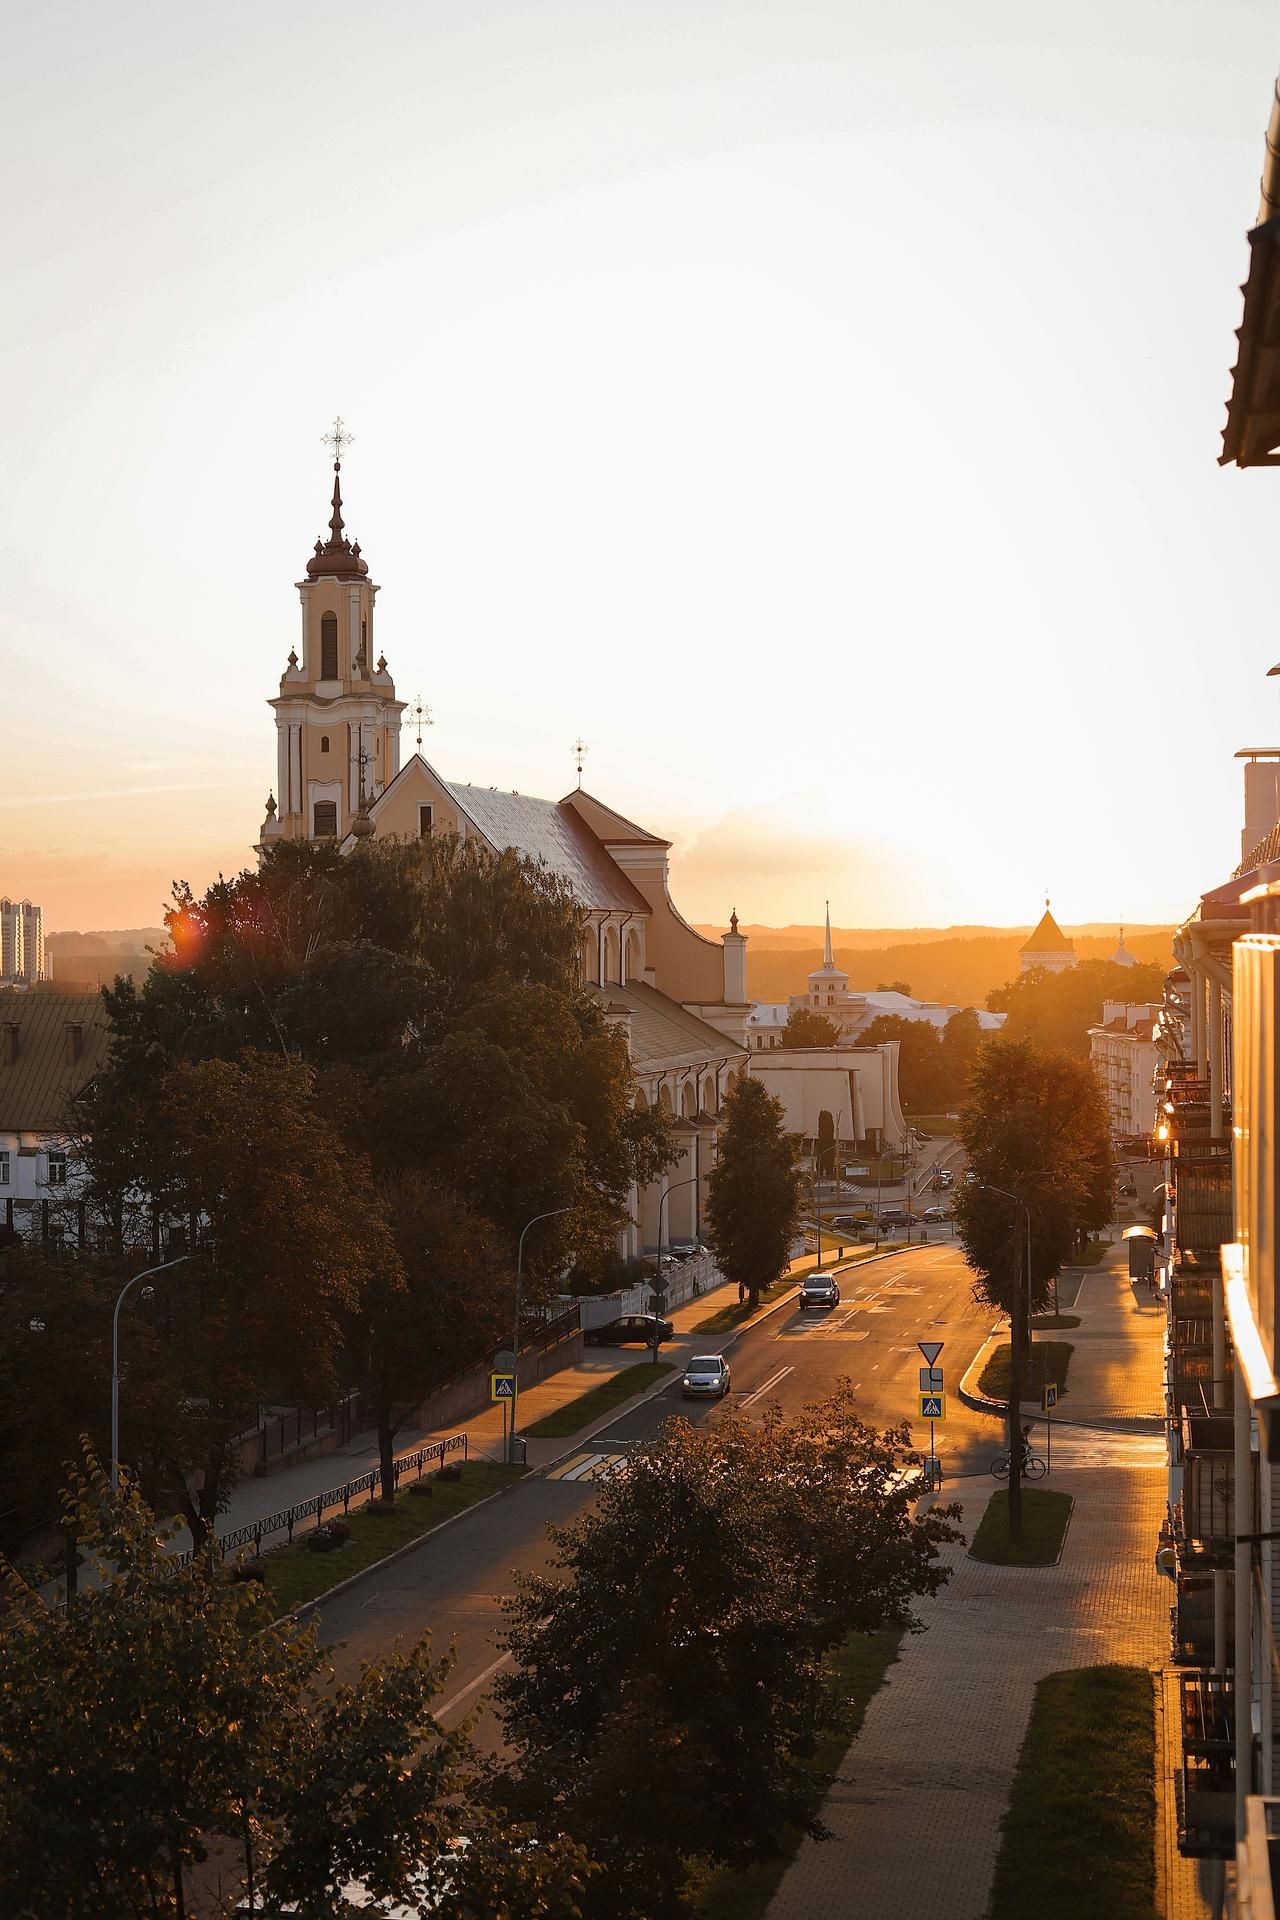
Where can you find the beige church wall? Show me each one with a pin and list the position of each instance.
(398, 811)
(351, 601)
(688, 967)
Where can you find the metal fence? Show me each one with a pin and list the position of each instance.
(256, 1531)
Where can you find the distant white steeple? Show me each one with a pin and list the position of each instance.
(828, 958)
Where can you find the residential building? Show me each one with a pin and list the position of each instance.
(1125, 1058)
(680, 999)
(51, 1045)
(765, 1023)
(21, 943)
(1048, 947)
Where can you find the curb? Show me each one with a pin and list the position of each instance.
(398, 1553)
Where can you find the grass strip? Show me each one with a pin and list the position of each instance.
(1076, 1842)
(1053, 1355)
(859, 1669)
(579, 1413)
(1044, 1528)
(1054, 1322)
(1093, 1252)
(295, 1574)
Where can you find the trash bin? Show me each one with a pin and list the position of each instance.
(518, 1450)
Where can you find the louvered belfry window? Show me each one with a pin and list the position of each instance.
(326, 817)
(329, 646)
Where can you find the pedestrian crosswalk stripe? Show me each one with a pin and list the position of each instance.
(589, 1466)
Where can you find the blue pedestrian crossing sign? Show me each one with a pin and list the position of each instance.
(1050, 1397)
(933, 1406)
(502, 1386)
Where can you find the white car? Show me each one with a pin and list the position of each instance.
(706, 1377)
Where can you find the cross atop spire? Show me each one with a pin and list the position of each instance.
(828, 958)
(338, 557)
(580, 751)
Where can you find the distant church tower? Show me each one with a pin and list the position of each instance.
(1048, 946)
(827, 985)
(337, 716)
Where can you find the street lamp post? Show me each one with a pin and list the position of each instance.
(554, 1214)
(115, 1358)
(1016, 1325)
(659, 1291)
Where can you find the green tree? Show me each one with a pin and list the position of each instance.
(727, 1565)
(165, 1714)
(807, 1028)
(962, 1039)
(753, 1191)
(1035, 1128)
(920, 1062)
(1058, 1009)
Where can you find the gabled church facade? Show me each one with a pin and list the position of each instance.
(680, 998)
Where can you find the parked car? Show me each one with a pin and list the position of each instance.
(629, 1328)
(819, 1290)
(707, 1376)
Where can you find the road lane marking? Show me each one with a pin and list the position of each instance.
(503, 1660)
(589, 1466)
(773, 1380)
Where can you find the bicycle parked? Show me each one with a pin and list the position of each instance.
(1033, 1467)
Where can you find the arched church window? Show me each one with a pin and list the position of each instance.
(324, 743)
(329, 646)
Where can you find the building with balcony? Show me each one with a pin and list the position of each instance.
(1125, 1057)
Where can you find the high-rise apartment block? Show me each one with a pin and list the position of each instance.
(21, 942)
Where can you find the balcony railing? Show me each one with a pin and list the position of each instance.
(1206, 1796)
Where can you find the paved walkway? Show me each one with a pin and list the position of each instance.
(916, 1808)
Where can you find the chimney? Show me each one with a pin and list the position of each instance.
(75, 1041)
(9, 1048)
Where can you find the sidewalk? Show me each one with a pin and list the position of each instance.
(917, 1804)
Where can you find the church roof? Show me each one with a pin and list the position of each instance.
(663, 1033)
(627, 832)
(1048, 937)
(551, 831)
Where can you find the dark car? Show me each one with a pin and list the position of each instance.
(819, 1290)
(897, 1217)
(933, 1214)
(628, 1327)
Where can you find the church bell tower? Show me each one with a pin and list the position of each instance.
(337, 716)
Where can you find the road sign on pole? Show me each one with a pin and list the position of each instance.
(502, 1386)
(932, 1380)
(1050, 1397)
(930, 1349)
(933, 1406)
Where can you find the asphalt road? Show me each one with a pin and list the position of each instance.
(453, 1584)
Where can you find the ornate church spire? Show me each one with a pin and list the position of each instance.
(338, 558)
(828, 958)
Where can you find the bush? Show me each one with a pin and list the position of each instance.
(421, 1487)
(327, 1536)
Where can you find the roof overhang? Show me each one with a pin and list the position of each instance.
(1251, 437)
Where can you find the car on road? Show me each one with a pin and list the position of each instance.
(819, 1290)
(629, 1328)
(707, 1377)
(932, 1214)
(897, 1217)
(860, 1219)
(947, 1177)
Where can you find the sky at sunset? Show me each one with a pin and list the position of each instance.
(814, 405)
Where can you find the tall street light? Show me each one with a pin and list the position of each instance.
(115, 1357)
(554, 1214)
(1015, 1370)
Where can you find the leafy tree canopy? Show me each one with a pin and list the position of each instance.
(1058, 1009)
(165, 1713)
(677, 1645)
(806, 1027)
(753, 1191)
(1035, 1124)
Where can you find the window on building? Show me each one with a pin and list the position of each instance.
(426, 820)
(56, 1174)
(4, 1167)
(329, 646)
(324, 743)
(364, 632)
(326, 817)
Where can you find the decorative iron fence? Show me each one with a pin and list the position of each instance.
(256, 1531)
